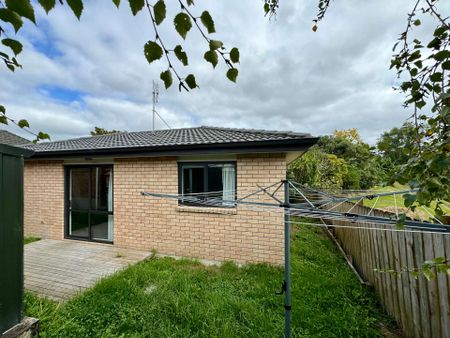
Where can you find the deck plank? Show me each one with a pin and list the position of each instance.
(61, 269)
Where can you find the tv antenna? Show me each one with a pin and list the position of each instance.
(155, 101)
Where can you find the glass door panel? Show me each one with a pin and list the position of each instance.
(102, 204)
(79, 187)
(79, 224)
(99, 226)
(90, 207)
(79, 202)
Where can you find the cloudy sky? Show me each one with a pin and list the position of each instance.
(81, 74)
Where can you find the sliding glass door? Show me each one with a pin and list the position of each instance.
(90, 203)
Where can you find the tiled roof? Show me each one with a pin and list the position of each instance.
(12, 139)
(167, 138)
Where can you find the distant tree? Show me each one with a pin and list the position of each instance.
(364, 166)
(102, 131)
(351, 134)
(318, 169)
(397, 144)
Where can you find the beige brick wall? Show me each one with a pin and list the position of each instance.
(244, 234)
(44, 199)
(241, 235)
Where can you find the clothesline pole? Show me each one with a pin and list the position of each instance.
(287, 261)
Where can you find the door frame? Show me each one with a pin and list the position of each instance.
(67, 169)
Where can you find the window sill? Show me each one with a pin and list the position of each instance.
(207, 210)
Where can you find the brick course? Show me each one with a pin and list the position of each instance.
(44, 199)
(242, 234)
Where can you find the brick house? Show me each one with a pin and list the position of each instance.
(90, 189)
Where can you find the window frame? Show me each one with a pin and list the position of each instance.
(204, 165)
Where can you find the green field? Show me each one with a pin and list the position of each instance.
(388, 203)
(163, 297)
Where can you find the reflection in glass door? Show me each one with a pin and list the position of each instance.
(90, 203)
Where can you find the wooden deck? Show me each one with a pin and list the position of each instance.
(60, 269)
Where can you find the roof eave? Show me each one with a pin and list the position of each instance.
(177, 150)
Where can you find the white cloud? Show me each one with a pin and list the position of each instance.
(290, 78)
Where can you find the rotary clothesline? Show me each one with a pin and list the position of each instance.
(299, 209)
(312, 205)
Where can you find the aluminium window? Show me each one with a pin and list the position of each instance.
(207, 183)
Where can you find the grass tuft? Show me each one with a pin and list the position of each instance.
(30, 239)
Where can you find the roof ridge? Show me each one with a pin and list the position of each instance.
(121, 132)
(262, 131)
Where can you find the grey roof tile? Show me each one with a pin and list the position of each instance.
(163, 138)
(11, 139)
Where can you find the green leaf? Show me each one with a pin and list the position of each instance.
(76, 6)
(190, 2)
(3, 119)
(401, 221)
(182, 23)
(266, 8)
(414, 56)
(409, 199)
(15, 45)
(446, 65)
(13, 18)
(435, 43)
(166, 76)
(116, 2)
(208, 22)
(417, 22)
(211, 56)
(136, 5)
(232, 74)
(14, 60)
(2, 109)
(43, 136)
(23, 124)
(440, 30)
(234, 55)
(152, 51)
(48, 5)
(160, 11)
(190, 81)
(215, 44)
(181, 55)
(436, 77)
(22, 7)
(442, 55)
(439, 260)
(429, 275)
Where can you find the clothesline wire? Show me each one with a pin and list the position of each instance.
(306, 213)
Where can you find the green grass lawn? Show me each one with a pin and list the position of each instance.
(168, 298)
(388, 202)
(30, 239)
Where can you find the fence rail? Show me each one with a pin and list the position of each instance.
(420, 307)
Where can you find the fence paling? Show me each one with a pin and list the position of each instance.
(420, 307)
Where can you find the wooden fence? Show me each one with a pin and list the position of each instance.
(420, 307)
